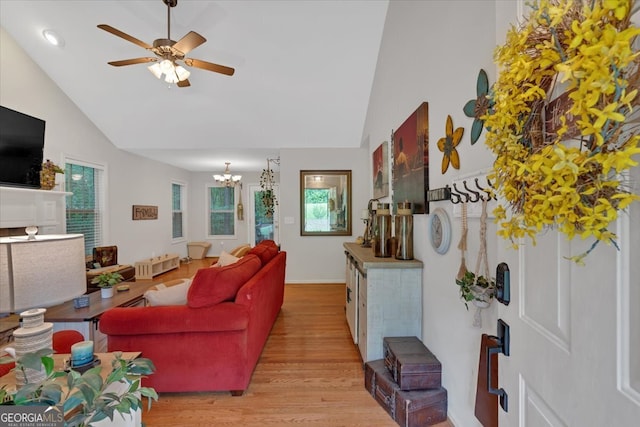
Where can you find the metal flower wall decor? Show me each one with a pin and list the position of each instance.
(564, 120)
(448, 144)
(477, 108)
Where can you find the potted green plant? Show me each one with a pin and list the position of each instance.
(106, 282)
(86, 398)
(479, 290)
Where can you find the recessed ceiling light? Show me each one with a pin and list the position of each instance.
(52, 37)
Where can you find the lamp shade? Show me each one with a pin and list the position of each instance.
(42, 272)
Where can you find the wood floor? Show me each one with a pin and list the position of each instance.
(309, 374)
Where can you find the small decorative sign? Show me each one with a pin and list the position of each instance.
(437, 194)
(144, 212)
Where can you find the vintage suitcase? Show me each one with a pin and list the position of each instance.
(411, 364)
(408, 408)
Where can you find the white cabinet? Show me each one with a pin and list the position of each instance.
(389, 299)
(351, 297)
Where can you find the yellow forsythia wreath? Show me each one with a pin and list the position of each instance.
(575, 184)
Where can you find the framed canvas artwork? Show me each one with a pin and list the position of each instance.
(381, 171)
(411, 160)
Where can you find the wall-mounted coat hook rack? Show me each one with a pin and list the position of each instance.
(455, 197)
(476, 195)
(488, 189)
(459, 194)
(472, 188)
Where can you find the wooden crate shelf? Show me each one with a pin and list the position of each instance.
(148, 268)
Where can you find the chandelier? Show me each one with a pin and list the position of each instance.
(226, 178)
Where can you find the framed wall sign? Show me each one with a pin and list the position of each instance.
(141, 212)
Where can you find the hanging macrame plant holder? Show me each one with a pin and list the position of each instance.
(268, 197)
(483, 296)
(462, 245)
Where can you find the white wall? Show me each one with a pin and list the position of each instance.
(432, 51)
(319, 259)
(131, 179)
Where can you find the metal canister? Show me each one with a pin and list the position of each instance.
(404, 231)
(382, 247)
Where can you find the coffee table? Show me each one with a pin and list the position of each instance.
(86, 319)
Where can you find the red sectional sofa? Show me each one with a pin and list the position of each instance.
(212, 343)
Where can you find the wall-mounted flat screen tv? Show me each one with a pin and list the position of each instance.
(21, 148)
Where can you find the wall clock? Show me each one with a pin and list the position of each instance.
(439, 230)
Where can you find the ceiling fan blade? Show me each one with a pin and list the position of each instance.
(189, 42)
(209, 66)
(184, 83)
(116, 32)
(132, 61)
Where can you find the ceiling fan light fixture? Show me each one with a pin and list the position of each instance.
(182, 73)
(155, 70)
(171, 78)
(167, 52)
(167, 66)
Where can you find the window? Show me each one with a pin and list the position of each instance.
(221, 211)
(85, 208)
(177, 214)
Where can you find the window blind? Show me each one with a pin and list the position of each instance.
(177, 212)
(85, 210)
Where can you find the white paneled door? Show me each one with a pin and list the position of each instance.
(574, 357)
(574, 331)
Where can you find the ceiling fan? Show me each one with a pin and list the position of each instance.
(168, 53)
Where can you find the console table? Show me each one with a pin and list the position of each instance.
(383, 299)
(86, 319)
(147, 268)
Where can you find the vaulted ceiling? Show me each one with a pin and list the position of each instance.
(303, 74)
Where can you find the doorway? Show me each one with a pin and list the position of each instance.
(261, 226)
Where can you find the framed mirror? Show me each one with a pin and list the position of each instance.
(325, 203)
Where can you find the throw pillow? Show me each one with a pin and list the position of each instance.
(241, 250)
(265, 250)
(211, 286)
(226, 259)
(168, 294)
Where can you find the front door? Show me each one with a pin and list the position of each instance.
(261, 225)
(575, 330)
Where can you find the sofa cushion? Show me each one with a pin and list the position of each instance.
(265, 250)
(211, 286)
(173, 292)
(225, 259)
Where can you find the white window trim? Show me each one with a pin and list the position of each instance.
(207, 193)
(183, 207)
